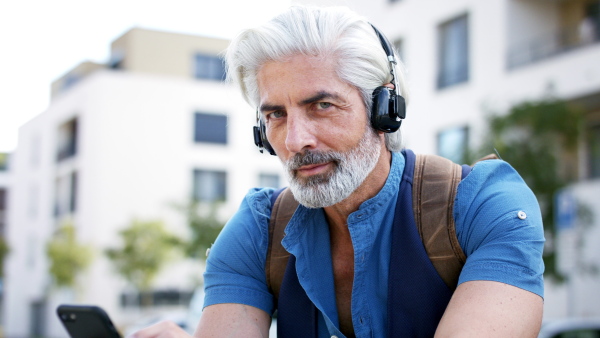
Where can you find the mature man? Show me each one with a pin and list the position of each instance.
(311, 74)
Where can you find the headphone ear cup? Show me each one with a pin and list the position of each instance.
(263, 137)
(385, 110)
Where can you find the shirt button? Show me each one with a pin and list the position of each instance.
(521, 214)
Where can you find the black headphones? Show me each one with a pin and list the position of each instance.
(387, 110)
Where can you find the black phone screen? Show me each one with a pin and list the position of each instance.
(86, 321)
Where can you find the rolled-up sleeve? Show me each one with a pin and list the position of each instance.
(499, 227)
(235, 266)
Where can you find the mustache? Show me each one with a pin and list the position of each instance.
(312, 157)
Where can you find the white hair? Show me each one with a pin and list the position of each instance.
(328, 32)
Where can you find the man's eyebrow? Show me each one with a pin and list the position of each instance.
(270, 107)
(266, 107)
(320, 96)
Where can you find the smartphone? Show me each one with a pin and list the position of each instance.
(86, 321)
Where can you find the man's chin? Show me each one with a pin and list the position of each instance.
(310, 182)
(316, 195)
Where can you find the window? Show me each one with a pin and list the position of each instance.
(592, 15)
(209, 186)
(453, 144)
(453, 61)
(116, 59)
(3, 196)
(156, 297)
(594, 154)
(70, 80)
(73, 192)
(38, 311)
(67, 140)
(268, 180)
(209, 67)
(65, 195)
(210, 128)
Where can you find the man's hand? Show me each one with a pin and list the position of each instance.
(164, 329)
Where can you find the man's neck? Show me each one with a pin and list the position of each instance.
(337, 214)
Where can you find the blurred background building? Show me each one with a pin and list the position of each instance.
(156, 125)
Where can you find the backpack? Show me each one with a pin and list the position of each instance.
(435, 183)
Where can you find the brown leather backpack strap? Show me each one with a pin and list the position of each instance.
(435, 183)
(487, 157)
(277, 257)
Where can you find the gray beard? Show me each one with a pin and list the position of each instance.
(350, 170)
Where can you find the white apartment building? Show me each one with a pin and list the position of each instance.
(125, 140)
(466, 58)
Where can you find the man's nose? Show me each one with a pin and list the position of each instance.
(300, 133)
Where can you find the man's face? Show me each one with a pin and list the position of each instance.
(318, 126)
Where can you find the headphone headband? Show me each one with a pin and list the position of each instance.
(389, 51)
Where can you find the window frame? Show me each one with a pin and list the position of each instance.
(215, 133)
(461, 154)
(450, 74)
(208, 67)
(219, 189)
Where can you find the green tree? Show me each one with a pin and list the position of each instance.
(146, 247)
(4, 251)
(67, 257)
(203, 224)
(3, 161)
(539, 139)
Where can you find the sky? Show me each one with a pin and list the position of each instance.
(40, 40)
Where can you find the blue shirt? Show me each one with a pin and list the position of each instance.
(499, 242)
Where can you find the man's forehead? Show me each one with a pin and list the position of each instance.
(300, 80)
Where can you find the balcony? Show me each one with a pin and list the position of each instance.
(554, 43)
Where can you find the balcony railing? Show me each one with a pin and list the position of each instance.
(554, 43)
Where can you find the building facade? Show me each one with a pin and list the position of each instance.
(128, 140)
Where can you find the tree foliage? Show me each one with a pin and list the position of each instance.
(145, 249)
(539, 139)
(67, 257)
(4, 251)
(204, 227)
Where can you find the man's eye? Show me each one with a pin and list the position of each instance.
(323, 105)
(276, 114)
